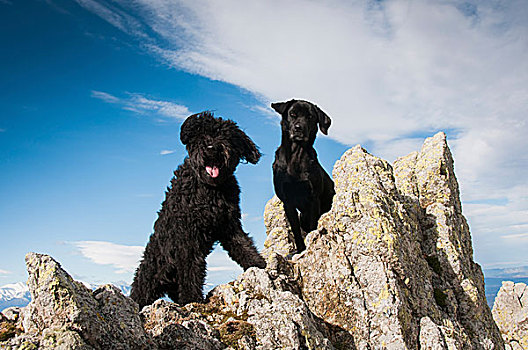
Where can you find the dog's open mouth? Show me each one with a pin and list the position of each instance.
(213, 171)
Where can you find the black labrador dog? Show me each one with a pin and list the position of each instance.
(300, 181)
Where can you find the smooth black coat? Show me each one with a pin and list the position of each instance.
(201, 207)
(299, 180)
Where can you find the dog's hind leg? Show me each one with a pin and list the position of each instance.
(293, 219)
(145, 288)
(241, 249)
(187, 280)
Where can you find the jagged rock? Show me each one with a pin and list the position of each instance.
(64, 314)
(392, 261)
(390, 266)
(281, 320)
(432, 187)
(510, 312)
(173, 327)
(279, 238)
(256, 311)
(260, 310)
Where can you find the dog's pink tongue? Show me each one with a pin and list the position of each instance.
(212, 171)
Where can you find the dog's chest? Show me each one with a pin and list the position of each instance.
(213, 207)
(296, 165)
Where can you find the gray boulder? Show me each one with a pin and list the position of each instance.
(64, 314)
(510, 311)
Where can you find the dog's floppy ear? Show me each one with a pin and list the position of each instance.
(191, 126)
(250, 151)
(281, 107)
(323, 119)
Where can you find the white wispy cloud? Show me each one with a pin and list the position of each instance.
(140, 104)
(115, 16)
(388, 73)
(106, 97)
(220, 267)
(5, 272)
(123, 258)
(520, 236)
(166, 152)
(246, 217)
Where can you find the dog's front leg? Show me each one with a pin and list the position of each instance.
(293, 218)
(310, 216)
(185, 282)
(241, 249)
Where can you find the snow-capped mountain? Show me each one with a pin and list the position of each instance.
(14, 294)
(17, 294)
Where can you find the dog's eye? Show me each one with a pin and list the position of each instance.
(210, 146)
(292, 114)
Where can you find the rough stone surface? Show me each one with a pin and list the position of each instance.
(392, 261)
(510, 312)
(281, 320)
(260, 310)
(390, 266)
(64, 314)
(279, 238)
(173, 327)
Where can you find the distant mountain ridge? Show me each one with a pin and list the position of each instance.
(14, 294)
(494, 278)
(509, 272)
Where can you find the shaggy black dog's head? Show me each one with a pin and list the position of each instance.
(216, 146)
(300, 119)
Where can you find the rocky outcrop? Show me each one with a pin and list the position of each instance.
(64, 314)
(390, 266)
(260, 310)
(510, 312)
(392, 261)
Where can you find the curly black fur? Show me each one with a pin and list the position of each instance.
(201, 207)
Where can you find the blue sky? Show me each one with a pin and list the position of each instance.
(92, 95)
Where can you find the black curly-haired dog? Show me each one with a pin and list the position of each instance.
(201, 207)
(300, 181)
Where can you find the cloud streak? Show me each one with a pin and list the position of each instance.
(220, 268)
(123, 258)
(389, 73)
(140, 104)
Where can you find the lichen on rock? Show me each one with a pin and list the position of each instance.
(390, 266)
(392, 261)
(64, 314)
(510, 311)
